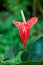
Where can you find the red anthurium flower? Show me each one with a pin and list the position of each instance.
(24, 28)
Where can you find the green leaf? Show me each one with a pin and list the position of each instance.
(34, 52)
(31, 63)
(13, 51)
(18, 58)
(37, 47)
(30, 56)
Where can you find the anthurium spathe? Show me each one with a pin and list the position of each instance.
(24, 27)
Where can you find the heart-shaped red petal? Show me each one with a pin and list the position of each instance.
(17, 23)
(32, 21)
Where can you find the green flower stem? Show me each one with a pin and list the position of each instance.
(23, 17)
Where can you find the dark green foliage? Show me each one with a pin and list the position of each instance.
(32, 63)
(30, 56)
(34, 52)
(34, 55)
(37, 47)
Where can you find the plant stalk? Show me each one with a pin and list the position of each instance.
(23, 17)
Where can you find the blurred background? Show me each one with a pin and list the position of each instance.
(9, 11)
